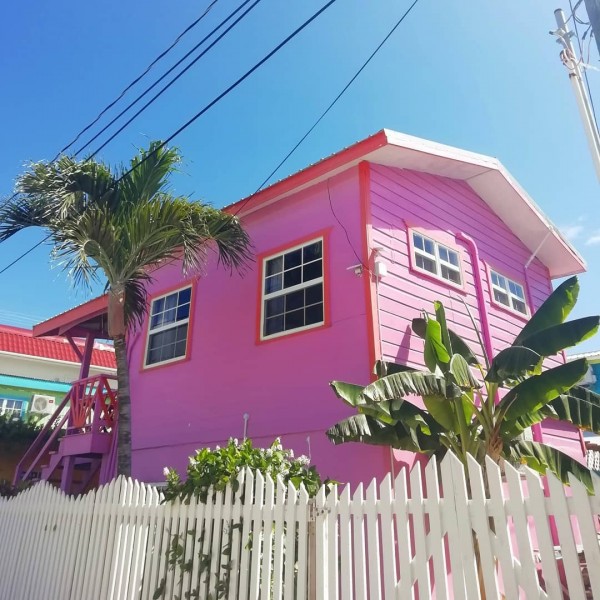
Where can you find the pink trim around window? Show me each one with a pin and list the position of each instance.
(191, 283)
(498, 305)
(260, 259)
(427, 274)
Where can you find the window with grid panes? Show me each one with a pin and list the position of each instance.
(168, 327)
(509, 293)
(439, 260)
(11, 408)
(293, 290)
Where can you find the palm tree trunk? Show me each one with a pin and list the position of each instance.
(118, 331)
(124, 404)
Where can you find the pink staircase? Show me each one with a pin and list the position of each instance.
(77, 446)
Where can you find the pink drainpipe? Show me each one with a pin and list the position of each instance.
(481, 303)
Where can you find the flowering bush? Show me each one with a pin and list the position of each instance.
(221, 466)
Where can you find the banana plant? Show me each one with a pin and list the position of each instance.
(480, 406)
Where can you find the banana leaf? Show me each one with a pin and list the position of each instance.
(512, 363)
(400, 385)
(361, 428)
(436, 354)
(550, 341)
(579, 406)
(537, 391)
(460, 371)
(541, 458)
(459, 346)
(383, 368)
(553, 311)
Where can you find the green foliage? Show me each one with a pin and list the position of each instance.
(8, 490)
(220, 467)
(14, 429)
(120, 223)
(464, 412)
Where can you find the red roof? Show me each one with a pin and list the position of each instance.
(21, 341)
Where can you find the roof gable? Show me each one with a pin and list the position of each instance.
(485, 175)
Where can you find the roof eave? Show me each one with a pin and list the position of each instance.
(72, 321)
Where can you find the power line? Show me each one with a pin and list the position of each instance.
(168, 85)
(138, 78)
(228, 90)
(21, 256)
(332, 104)
(231, 87)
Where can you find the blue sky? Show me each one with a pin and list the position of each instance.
(484, 76)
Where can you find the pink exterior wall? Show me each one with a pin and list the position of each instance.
(283, 383)
(442, 208)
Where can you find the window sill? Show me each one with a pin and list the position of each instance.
(511, 311)
(445, 282)
(284, 335)
(165, 363)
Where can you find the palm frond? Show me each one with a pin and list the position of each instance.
(148, 173)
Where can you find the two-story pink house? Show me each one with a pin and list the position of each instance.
(348, 251)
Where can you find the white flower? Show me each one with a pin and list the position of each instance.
(236, 442)
(217, 447)
(303, 459)
(166, 471)
(291, 453)
(192, 460)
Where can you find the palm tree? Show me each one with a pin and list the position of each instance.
(118, 226)
(481, 409)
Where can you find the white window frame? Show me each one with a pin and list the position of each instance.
(168, 326)
(438, 261)
(283, 291)
(508, 293)
(4, 409)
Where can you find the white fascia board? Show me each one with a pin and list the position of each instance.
(54, 361)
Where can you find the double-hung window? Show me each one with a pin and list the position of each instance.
(432, 257)
(11, 408)
(509, 293)
(292, 290)
(168, 327)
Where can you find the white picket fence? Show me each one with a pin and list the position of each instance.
(416, 537)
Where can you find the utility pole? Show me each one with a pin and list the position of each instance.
(593, 10)
(572, 63)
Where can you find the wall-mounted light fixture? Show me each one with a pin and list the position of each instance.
(381, 269)
(358, 269)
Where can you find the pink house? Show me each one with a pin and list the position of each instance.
(348, 251)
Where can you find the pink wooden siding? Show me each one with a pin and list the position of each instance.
(442, 208)
(281, 383)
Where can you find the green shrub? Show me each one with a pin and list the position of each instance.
(221, 466)
(14, 429)
(8, 490)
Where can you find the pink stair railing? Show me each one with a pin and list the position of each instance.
(92, 409)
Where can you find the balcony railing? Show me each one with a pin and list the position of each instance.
(91, 409)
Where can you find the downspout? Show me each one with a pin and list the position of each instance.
(481, 303)
(536, 430)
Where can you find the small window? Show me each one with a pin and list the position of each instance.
(434, 258)
(293, 290)
(11, 408)
(508, 293)
(168, 327)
